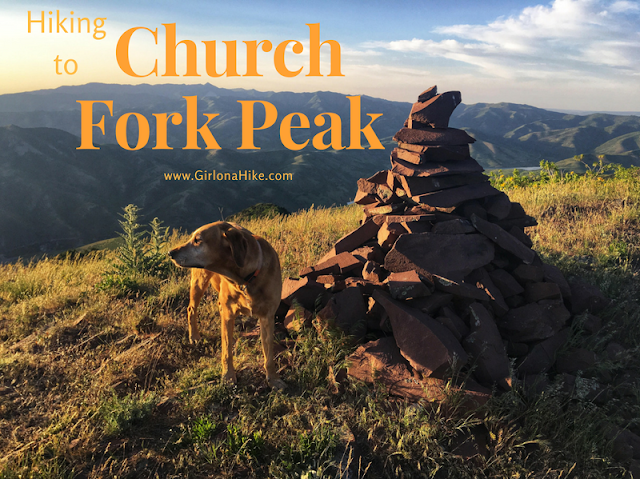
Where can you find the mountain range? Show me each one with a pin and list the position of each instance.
(54, 197)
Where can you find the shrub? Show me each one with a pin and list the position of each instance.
(550, 173)
(142, 254)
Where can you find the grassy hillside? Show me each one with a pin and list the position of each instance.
(511, 135)
(625, 144)
(101, 381)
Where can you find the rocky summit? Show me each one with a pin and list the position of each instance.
(441, 272)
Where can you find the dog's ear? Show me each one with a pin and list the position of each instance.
(239, 245)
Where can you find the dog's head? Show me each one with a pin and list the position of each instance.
(220, 247)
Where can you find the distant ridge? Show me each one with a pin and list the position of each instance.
(508, 134)
(53, 196)
(591, 112)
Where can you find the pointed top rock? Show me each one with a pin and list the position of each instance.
(436, 111)
(428, 93)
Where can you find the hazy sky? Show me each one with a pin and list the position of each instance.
(564, 54)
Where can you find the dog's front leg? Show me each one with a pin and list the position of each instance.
(267, 339)
(200, 279)
(228, 317)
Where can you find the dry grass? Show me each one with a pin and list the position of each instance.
(97, 384)
(590, 217)
(304, 237)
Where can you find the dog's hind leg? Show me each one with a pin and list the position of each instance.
(200, 279)
(267, 340)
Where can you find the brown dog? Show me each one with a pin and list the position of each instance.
(245, 270)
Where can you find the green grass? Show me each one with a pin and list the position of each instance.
(203, 429)
(94, 383)
(120, 415)
(596, 216)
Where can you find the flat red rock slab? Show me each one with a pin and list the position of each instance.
(366, 287)
(380, 178)
(450, 256)
(499, 206)
(534, 292)
(437, 152)
(553, 274)
(339, 264)
(444, 168)
(363, 198)
(416, 227)
(378, 190)
(428, 345)
(357, 237)
(543, 354)
(350, 309)
(437, 110)
(372, 271)
(419, 185)
(453, 227)
(441, 214)
(585, 297)
(382, 219)
(534, 322)
(483, 281)
(388, 234)
(506, 283)
(460, 289)
(369, 252)
(503, 239)
(352, 241)
(521, 235)
(428, 94)
(431, 304)
(380, 362)
(431, 154)
(435, 136)
(484, 343)
(367, 187)
(516, 211)
(329, 278)
(528, 273)
(407, 285)
(455, 196)
(305, 291)
(516, 217)
(384, 210)
(522, 222)
(452, 321)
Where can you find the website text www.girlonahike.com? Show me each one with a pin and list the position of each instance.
(240, 175)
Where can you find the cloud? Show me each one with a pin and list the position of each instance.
(354, 52)
(624, 6)
(566, 39)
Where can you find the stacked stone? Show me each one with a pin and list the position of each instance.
(441, 271)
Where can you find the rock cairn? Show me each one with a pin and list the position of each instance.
(441, 271)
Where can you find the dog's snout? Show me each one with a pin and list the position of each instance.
(172, 253)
